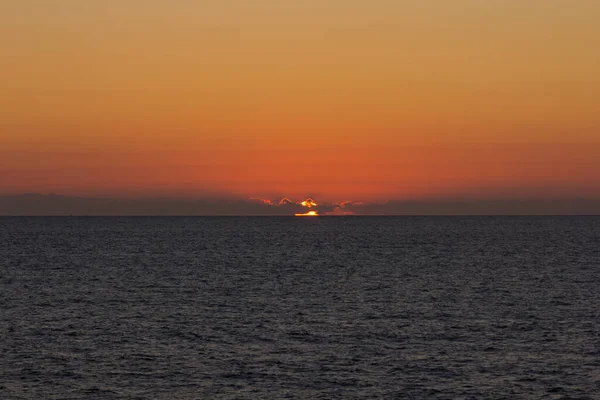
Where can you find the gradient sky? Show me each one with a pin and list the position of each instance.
(352, 99)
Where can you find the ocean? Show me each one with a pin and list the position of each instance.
(300, 308)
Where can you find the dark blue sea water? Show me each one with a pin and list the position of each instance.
(323, 308)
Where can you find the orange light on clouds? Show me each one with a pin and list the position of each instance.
(309, 203)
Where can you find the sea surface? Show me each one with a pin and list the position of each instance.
(300, 308)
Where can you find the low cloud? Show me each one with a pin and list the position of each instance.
(50, 205)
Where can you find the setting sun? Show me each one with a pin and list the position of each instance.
(308, 214)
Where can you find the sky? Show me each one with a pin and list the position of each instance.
(364, 101)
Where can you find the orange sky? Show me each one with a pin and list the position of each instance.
(363, 100)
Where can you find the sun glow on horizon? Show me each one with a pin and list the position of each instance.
(308, 214)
